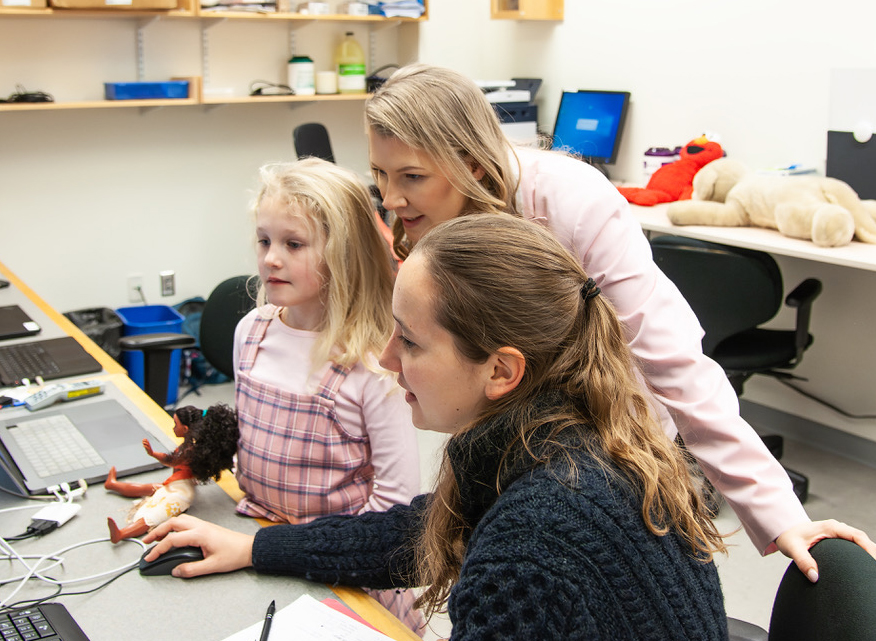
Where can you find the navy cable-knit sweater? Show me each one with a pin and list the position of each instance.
(544, 561)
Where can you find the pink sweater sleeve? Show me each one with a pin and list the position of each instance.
(695, 398)
(386, 417)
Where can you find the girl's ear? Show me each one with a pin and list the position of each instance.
(476, 170)
(508, 365)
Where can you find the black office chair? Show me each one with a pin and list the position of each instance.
(733, 291)
(230, 301)
(312, 140)
(841, 605)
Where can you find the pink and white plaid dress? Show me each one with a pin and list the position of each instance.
(295, 461)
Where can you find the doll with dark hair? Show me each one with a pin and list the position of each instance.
(209, 444)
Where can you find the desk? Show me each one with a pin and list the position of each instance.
(157, 608)
(838, 365)
(856, 254)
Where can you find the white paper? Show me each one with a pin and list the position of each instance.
(307, 619)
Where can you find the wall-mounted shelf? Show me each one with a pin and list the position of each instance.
(526, 9)
(195, 98)
(190, 10)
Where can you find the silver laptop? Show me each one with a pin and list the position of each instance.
(68, 442)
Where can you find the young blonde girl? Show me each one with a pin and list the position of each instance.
(323, 429)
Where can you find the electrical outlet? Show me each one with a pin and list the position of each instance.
(135, 288)
(168, 283)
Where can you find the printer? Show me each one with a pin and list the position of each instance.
(514, 102)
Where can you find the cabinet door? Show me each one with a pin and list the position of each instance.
(527, 9)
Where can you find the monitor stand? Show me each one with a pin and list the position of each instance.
(598, 165)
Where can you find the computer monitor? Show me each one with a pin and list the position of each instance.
(589, 124)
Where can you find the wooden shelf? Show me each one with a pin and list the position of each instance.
(196, 99)
(196, 12)
(95, 14)
(297, 17)
(248, 100)
(526, 9)
(97, 104)
(191, 10)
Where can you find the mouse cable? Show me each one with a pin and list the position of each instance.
(35, 572)
(59, 591)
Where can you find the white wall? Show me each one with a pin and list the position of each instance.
(757, 73)
(87, 197)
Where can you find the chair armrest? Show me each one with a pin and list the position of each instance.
(801, 298)
(804, 293)
(154, 342)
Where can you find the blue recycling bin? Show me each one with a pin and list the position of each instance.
(151, 319)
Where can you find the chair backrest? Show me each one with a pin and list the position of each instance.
(730, 289)
(230, 301)
(841, 605)
(312, 139)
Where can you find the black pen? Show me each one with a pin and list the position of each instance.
(266, 627)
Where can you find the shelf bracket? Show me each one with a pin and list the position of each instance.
(293, 40)
(373, 31)
(141, 47)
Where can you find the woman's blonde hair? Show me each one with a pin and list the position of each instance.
(503, 281)
(358, 290)
(446, 115)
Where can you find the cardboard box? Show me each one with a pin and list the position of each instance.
(124, 5)
(24, 4)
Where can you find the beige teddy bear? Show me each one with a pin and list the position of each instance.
(824, 210)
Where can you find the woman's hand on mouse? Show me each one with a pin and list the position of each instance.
(224, 550)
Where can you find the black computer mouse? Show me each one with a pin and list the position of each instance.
(165, 563)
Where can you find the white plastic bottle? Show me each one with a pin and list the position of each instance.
(350, 61)
(301, 76)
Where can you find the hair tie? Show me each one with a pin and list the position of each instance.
(203, 414)
(589, 289)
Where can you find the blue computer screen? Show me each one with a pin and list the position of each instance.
(589, 123)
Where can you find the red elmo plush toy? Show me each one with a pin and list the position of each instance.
(675, 181)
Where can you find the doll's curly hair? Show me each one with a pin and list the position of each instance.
(210, 443)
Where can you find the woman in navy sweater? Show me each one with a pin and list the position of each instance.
(561, 510)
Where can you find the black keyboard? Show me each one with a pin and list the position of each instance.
(26, 360)
(46, 622)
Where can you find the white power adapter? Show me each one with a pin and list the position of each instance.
(58, 513)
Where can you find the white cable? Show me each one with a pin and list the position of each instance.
(57, 560)
(18, 507)
(24, 578)
(122, 568)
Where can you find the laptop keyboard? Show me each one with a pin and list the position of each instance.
(46, 622)
(54, 445)
(26, 360)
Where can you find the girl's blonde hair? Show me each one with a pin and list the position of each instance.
(503, 281)
(446, 115)
(358, 291)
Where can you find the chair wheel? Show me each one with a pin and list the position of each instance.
(801, 484)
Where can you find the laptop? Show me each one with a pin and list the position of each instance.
(50, 359)
(72, 441)
(15, 323)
